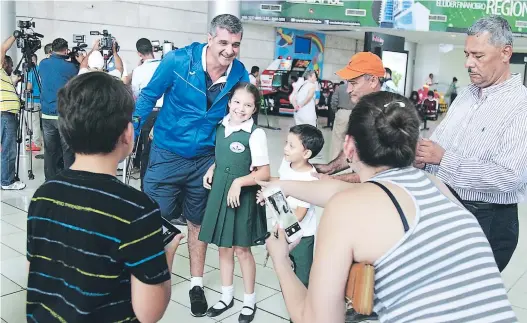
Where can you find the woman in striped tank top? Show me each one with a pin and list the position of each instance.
(432, 261)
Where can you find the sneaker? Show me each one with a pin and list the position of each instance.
(16, 186)
(198, 302)
(33, 147)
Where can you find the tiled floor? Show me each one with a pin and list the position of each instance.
(271, 307)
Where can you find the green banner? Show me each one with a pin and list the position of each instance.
(440, 15)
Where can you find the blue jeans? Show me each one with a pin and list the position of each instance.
(8, 134)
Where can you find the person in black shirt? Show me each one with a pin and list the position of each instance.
(95, 245)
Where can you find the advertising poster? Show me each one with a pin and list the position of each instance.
(398, 63)
(301, 45)
(422, 15)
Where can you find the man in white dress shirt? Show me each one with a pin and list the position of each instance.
(479, 149)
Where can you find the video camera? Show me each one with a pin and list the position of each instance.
(167, 46)
(105, 43)
(74, 51)
(26, 39)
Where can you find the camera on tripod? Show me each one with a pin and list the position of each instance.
(105, 43)
(26, 39)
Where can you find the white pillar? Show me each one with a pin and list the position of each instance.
(8, 25)
(218, 7)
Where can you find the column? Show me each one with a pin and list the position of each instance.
(8, 25)
(218, 7)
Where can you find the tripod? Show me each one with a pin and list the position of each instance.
(129, 161)
(266, 107)
(27, 106)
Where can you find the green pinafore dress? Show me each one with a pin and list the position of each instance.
(222, 225)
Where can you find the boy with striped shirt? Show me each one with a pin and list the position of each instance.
(95, 245)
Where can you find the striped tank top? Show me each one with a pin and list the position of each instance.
(443, 268)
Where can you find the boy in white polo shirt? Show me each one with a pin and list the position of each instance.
(303, 143)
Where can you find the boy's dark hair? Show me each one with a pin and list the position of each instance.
(385, 127)
(255, 69)
(35, 56)
(454, 79)
(59, 45)
(144, 46)
(388, 71)
(47, 49)
(251, 89)
(430, 93)
(94, 110)
(310, 136)
(294, 78)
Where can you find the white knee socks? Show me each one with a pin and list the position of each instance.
(227, 294)
(249, 300)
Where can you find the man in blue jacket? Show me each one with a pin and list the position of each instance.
(55, 72)
(196, 82)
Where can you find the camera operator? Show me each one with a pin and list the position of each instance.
(55, 72)
(140, 78)
(95, 61)
(9, 106)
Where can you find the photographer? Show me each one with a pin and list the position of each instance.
(95, 61)
(55, 72)
(9, 106)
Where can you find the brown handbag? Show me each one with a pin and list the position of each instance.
(359, 290)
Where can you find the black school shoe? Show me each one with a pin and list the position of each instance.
(198, 302)
(213, 312)
(247, 318)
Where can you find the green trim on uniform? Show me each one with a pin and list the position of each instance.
(222, 225)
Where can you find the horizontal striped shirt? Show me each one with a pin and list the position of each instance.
(484, 135)
(9, 101)
(443, 269)
(87, 234)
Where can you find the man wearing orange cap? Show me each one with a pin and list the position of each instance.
(364, 74)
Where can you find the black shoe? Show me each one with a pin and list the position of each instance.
(213, 312)
(198, 302)
(247, 318)
(354, 317)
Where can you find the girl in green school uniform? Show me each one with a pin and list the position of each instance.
(233, 221)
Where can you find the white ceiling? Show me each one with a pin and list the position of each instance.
(420, 37)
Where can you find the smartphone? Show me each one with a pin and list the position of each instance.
(169, 231)
(277, 202)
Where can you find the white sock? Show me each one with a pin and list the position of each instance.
(227, 294)
(196, 281)
(249, 300)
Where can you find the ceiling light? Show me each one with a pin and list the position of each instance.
(453, 36)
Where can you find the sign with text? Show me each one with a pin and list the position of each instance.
(423, 15)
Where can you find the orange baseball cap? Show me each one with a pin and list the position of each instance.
(360, 64)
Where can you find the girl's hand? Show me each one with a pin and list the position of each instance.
(233, 197)
(207, 179)
(260, 196)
